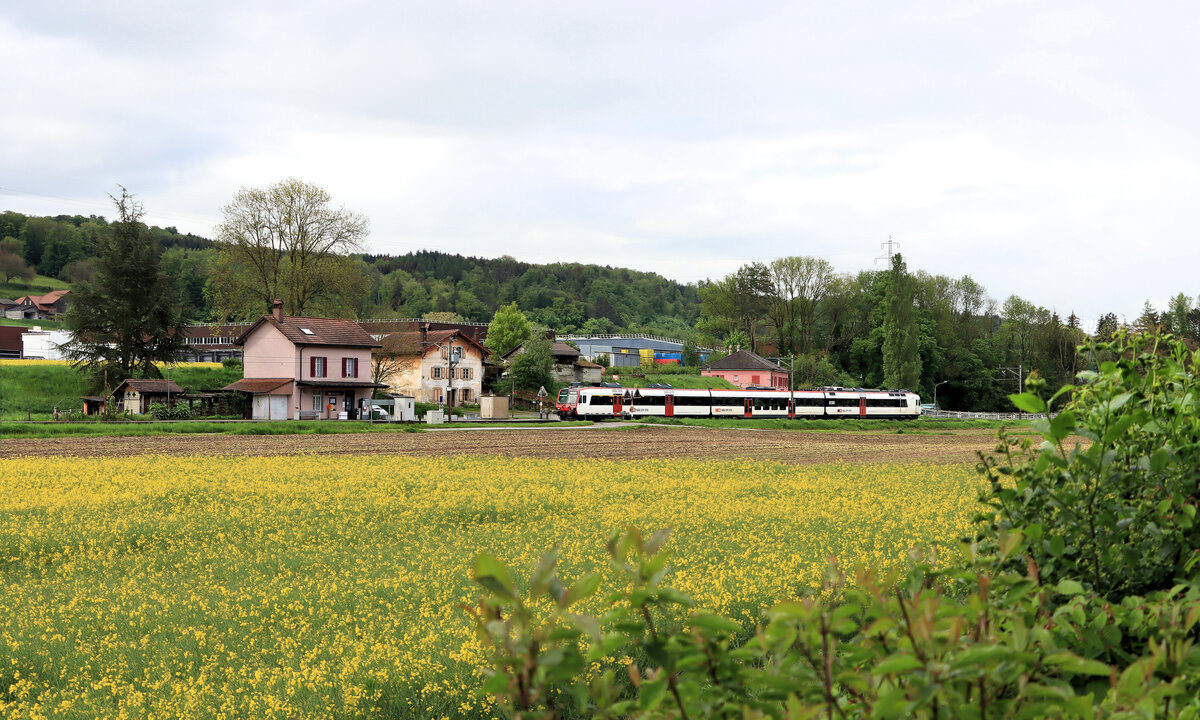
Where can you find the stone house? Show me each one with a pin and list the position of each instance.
(569, 364)
(419, 365)
(305, 368)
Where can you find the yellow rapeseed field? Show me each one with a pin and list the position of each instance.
(327, 587)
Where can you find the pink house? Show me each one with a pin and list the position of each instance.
(305, 368)
(746, 369)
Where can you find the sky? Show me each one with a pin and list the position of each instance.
(1048, 150)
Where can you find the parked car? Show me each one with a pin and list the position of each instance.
(380, 412)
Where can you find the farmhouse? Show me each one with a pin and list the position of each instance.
(745, 368)
(303, 367)
(40, 307)
(433, 366)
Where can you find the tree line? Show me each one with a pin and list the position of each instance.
(933, 334)
(900, 328)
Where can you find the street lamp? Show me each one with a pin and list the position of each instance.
(935, 387)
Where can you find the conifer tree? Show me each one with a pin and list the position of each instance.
(901, 354)
(127, 317)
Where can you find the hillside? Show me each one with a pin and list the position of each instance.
(32, 388)
(564, 296)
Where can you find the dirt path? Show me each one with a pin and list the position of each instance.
(801, 447)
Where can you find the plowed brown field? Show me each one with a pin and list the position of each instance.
(616, 443)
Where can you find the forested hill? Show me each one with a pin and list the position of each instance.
(563, 296)
(559, 295)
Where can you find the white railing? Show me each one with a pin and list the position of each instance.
(627, 336)
(421, 320)
(961, 415)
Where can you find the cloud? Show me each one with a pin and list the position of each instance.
(1048, 152)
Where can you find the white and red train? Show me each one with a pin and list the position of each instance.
(598, 403)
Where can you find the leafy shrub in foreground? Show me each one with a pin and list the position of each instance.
(1080, 598)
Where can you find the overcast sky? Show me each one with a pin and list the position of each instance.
(1046, 149)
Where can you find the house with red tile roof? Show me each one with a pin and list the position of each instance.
(305, 367)
(44, 307)
(746, 369)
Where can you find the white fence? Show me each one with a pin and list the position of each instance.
(958, 415)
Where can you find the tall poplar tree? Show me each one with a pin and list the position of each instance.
(126, 318)
(901, 351)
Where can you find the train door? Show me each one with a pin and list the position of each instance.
(616, 404)
(670, 402)
(748, 405)
(862, 407)
(792, 408)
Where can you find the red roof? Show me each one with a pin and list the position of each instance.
(46, 302)
(409, 343)
(258, 385)
(315, 331)
(743, 360)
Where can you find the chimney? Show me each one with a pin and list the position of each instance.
(424, 332)
(277, 309)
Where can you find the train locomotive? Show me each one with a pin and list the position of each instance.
(599, 403)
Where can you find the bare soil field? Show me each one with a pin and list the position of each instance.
(615, 443)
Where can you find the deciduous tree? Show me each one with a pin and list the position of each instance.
(534, 366)
(508, 329)
(285, 241)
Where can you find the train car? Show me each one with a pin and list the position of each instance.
(666, 402)
(752, 403)
(808, 404)
(598, 403)
(878, 404)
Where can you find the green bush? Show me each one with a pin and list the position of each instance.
(1079, 597)
(160, 411)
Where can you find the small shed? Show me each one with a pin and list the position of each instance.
(493, 407)
(400, 408)
(93, 405)
(136, 396)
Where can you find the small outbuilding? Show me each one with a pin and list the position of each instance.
(136, 396)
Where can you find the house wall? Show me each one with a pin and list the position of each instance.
(407, 379)
(746, 378)
(268, 354)
(432, 389)
(333, 362)
(415, 376)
